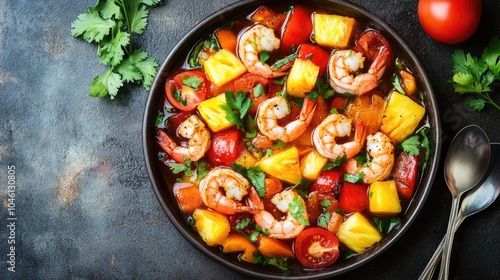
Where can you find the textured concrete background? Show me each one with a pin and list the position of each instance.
(84, 205)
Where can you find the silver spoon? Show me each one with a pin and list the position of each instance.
(473, 202)
(466, 164)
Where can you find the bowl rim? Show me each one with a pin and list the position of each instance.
(150, 151)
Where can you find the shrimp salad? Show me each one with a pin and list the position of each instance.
(294, 137)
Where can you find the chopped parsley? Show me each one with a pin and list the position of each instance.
(236, 107)
(297, 211)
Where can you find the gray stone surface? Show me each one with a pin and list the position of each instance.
(84, 205)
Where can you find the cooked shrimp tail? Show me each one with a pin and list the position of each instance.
(338, 126)
(381, 151)
(198, 144)
(254, 41)
(287, 228)
(225, 191)
(276, 108)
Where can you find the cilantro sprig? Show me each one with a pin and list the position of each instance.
(237, 107)
(476, 75)
(110, 24)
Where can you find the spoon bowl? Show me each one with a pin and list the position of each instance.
(474, 201)
(465, 166)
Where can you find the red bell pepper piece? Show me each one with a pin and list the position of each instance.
(297, 29)
(405, 174)
(316, 55)
(353, 197)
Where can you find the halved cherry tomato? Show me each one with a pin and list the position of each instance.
(374, 46)
(328, 182)
(255, 87)
(316, 55)
(405, 174)
(449, 21)
(225, 148)
(353, 197)
(187, 89)
(296, 30)
(316, 248)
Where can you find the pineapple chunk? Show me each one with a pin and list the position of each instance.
(222, 67)
(312, 164)
(333, 30)
(212, 226)
(402, 115)
(383, 198)
(283, 165)
(302, 77)
(237, 243)
(212, 113)
(246, 159)
(358, 233)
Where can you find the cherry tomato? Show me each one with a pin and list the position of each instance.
(449, 21)
(269, 18)
(187, 89)
(375, 47)
(316, 248)
(328, 182)
(225, 148)
(296, 30)
(353, 197)
(405, 174)
(316, 55)
(254, 86)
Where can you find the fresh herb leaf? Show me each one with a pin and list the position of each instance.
(243, 223)
(111, 24)
(185, 167)
(476, 75)
(296, 208)
(255, 175)
(258, 90)
(282, 62)
(396, 82)
(386, 225)
(354, 178)
(177, 94)
(336, 163)
(279, 262)
(160, 119)
(192, 82)
(264, 56)
(236, 107)
(411, 145)
(201, 169)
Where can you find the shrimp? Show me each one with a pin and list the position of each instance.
(223, 190)
(289, 227)
(333, 126)
(276, 108)
(345, 62)
(198, 144)
(254, 41)
(381, 150)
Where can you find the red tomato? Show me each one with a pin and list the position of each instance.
(405, 174)
(449, 21)
(316, 248)
(225, 148)
(296, 30)
(316, 54)
(249, 83)
(375, 47)
(187, 89)
(353, 197)
(328, 182)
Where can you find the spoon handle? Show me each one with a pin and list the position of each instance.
(434, 261)
(448, 243)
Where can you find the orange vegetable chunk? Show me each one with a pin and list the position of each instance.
(188, 196)
(271, 247)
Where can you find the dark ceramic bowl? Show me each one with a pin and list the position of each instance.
(163, 186)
